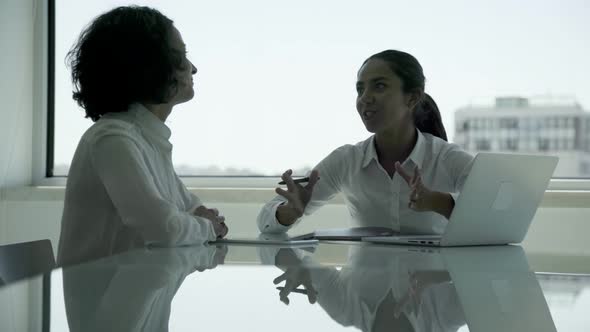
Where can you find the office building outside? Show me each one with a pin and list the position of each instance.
(535, 126)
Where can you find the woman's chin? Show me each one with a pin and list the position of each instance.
(191, 94)
(370, 128)
(184, 97)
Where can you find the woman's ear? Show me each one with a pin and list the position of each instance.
(413, 98)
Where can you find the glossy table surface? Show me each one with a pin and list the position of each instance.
(329, 287)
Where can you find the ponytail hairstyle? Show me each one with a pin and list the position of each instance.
(427, 118)
(426, 114)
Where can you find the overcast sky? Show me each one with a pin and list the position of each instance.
(275, 87)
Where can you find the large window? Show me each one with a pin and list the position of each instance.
(276, 81)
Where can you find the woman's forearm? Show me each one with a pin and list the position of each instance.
(442, 203)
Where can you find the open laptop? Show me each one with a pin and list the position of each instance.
(497, 204)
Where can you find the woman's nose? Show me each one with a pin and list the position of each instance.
(367, 97)
(194, 69)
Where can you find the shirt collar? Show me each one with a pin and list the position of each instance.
(416, 156)
(150, 122)
(370, 152)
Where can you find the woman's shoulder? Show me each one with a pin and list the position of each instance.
(350, 150)
(350, 153)
(438, 145)
(356, 148)
(445, 152)
(111, 127)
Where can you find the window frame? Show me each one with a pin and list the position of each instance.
(44, 122)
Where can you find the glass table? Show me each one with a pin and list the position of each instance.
(329, 287)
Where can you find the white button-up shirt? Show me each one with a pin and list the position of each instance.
(373, 197)
(122, 191)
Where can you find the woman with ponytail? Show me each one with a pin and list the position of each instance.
(403, 177)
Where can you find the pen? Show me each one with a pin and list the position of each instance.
(305, 179)
(296, 290)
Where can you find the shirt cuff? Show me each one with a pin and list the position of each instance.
(273, 225)
(195, 202)
(455, 197)
(211, 236)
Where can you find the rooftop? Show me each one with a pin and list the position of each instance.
(549, 103)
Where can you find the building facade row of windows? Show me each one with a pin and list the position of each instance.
(512, 144)
(532, 123)
(523, 134)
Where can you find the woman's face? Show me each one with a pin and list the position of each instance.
(381, 102)
(184, 75)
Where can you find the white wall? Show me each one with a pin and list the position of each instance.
(16, 91)
(17, 26)
(13, 307)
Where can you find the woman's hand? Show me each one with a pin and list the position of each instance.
(424, 199)
(419, 281)
(297, 197)
(218, 258)
(412, 300)
(295, 274)
(421, 198)
(212, 215)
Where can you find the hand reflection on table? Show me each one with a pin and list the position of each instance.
(295, 275)
(132, 291)
(376, 290)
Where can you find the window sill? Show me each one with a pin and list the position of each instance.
(260, 195)
(239, 182)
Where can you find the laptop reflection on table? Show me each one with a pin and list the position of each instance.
(497, 290)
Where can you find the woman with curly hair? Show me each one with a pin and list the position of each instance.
(129, 69)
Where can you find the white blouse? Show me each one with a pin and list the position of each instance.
(372, 197)
(122, 191)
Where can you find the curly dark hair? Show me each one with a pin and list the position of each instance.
(426, 115)
(124, 56)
